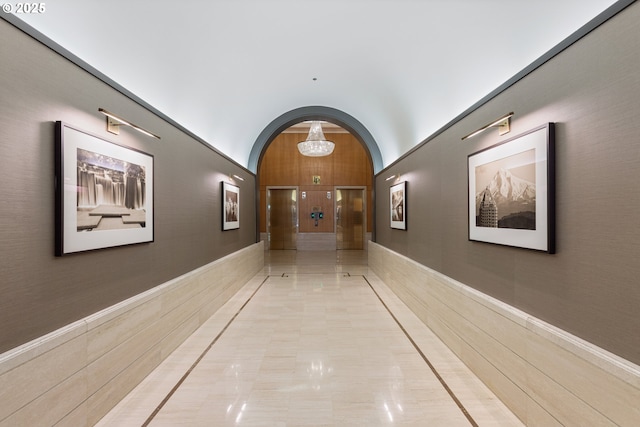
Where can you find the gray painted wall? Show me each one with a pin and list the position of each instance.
(591, 287)
(41, 292)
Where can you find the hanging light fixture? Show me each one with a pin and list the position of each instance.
(316, 145)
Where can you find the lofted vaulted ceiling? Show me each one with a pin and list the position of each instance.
(225, 69)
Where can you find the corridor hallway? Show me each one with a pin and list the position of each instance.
(314, 339)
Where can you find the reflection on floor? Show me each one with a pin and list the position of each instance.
(314, 339)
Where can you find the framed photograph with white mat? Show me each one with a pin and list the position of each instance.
(104, 193)
(230, 206)
(398, 205)
(511, 191)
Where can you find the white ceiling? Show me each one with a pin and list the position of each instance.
(225, 69)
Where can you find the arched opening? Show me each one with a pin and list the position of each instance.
(314, 203)
(327, 114)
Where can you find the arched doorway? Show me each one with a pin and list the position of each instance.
(328, 114)
(327, 198)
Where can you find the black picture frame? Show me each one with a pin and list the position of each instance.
(230, 206)
(398, 206)
(511, 191)
(103, 192)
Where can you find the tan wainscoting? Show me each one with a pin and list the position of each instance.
(545, 375)
(75, 375)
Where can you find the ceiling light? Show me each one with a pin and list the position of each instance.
(316, 145)
(114, 122)
(503, 124)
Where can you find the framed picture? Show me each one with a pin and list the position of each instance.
(230, 206)
(512, 192)
(104, 193)
(398, 202)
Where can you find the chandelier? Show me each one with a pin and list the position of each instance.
(316, 145)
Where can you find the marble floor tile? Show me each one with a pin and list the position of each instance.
(314, 345)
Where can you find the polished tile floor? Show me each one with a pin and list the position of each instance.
(315, 339)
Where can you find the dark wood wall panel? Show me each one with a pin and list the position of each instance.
(281, 162)
(283, 165)
(316, 199)
(351, 165)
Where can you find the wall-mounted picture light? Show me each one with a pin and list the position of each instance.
(238, 177)
(114, 122)
(503, 124)
(396, 176)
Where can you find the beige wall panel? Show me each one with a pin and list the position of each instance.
(28, 381)
(65, 376)
(539, 371)
(54, 404)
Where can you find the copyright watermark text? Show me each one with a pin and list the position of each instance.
(19, 8)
